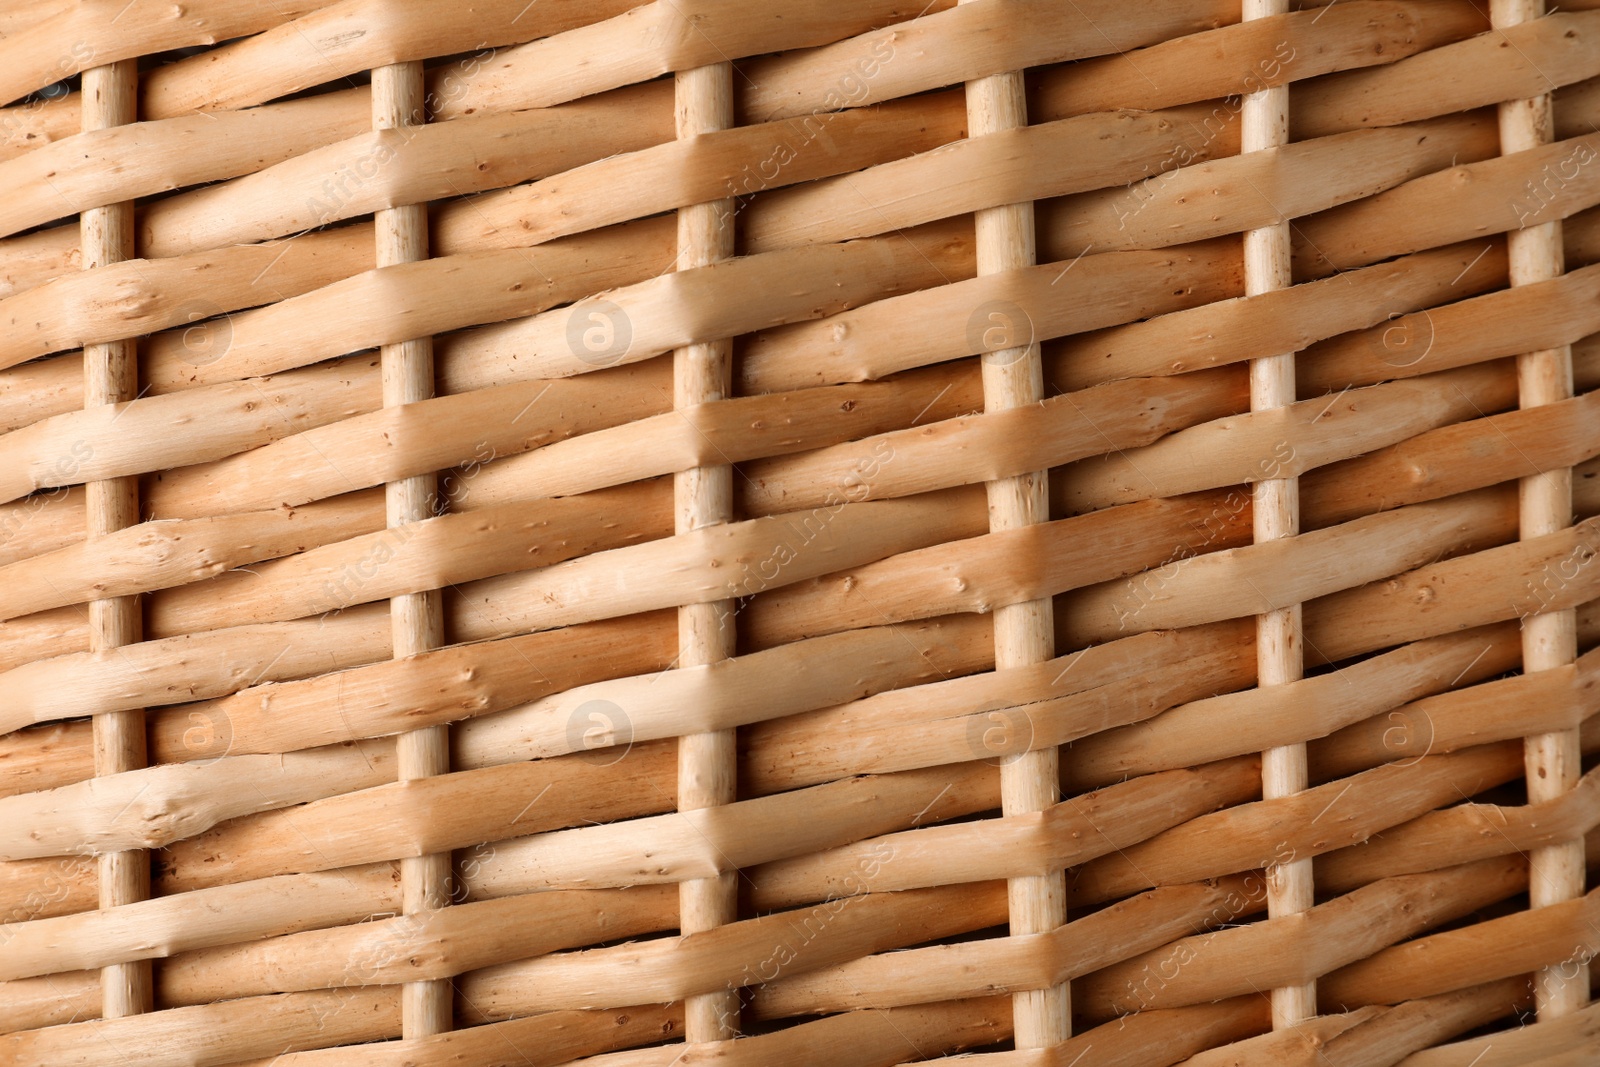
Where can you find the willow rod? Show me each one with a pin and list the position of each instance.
(1276, 514)
(1553, 760)
(111, 376)
(1024, 633)
(416, 620)
(703, 496)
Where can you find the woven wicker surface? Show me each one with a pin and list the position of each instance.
(786, 532)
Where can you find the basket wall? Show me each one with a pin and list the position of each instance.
(795, 533)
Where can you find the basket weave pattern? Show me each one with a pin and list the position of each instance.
(785, 532)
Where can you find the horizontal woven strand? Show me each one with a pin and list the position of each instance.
(949, 577)
(712, 959)
(1265, 52)
(216, 1034)
(1430, 465)
(1295, 948)
(315, 46)
(1460, 333)
(213, 664)
(657, 38)
(1431, 210)
(377, 169)
(1472, 831)
(1505, 582)
(1153, 462)
(550, 1038)
(1495, 948)
(1393, 685)
(1363, 310)
(1027, 961)
(1300, 179)
(1249, 836)
(1417, 1024)
(917, 329)
(33, 57)
(158, 805)
(631, 185)
(855, 1039)
(420, 945)
(1308, 178)
(270, 907)
(1526, 1044)
(1131, 810)
(1518, 61)
(947, 721)
(140, 159)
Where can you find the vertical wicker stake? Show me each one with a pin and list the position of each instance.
(111, 376)
(1549, 639)
(1276, 513)
(1023, 633)
(703, 497)
(416, 619)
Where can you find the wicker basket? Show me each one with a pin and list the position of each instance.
(789, 532)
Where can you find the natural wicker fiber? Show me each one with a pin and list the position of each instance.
(799, 532)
